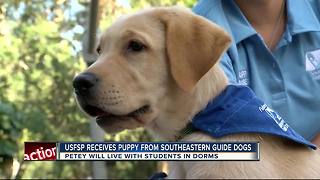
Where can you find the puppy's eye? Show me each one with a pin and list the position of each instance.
(136, 46)
(99, 50)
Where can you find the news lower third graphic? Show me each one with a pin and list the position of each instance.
(163, 151)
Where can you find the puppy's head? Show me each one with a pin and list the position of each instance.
(143, 60)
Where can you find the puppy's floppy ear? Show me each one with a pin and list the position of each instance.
(193, 44)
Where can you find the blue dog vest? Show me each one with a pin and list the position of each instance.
(238, 110)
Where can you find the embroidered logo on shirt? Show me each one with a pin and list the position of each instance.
(278, 119)
(313, 63)
(243, 77)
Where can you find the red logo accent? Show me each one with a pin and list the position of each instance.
(40, 151)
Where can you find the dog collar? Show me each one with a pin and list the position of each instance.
(238, 110)
(189, 129)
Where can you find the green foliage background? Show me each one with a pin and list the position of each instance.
(40, 52)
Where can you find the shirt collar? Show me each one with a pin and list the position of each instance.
(241, 28)
(226, 14)
(301, 17)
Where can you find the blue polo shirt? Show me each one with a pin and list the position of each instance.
(288, 78)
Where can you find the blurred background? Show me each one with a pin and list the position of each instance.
(42, 47)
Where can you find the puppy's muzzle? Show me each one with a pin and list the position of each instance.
(83, 83)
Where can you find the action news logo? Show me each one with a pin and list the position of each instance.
(40, 151)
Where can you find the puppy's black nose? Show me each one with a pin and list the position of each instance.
(84, 82)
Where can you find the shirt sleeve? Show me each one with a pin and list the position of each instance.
(226, 65)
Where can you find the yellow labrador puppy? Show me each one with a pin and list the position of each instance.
(157, 69)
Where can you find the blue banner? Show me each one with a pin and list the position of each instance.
(158, 147)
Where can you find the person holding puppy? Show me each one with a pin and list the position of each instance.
(276, 52)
